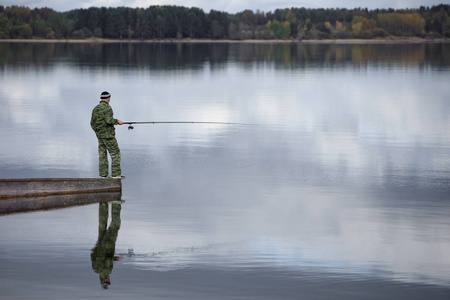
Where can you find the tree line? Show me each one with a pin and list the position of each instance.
(177, 22)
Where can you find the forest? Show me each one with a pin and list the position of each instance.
(177, 22)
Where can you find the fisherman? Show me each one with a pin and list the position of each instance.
(102, 122)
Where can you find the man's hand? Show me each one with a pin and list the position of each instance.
(120, 122)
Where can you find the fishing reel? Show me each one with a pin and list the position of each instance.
(130, 127)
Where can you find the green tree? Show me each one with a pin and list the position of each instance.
(246, 31)
(438, 23)
(201, 25)
(285, 30)
(40, 28)
(288, 15)
(23, 31)
(174, 21)
(18, 15)
(248, 17)
(61, 25)
(221, 25)
(161, 27)
(116, 23)
(4, 26)
(98, 33)
(94, 18)
(263, 32)
(233, 31)
(280, 30)
(446, 25)
(143, 24)
(217, 30)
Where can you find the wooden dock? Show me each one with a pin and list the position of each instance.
(20, 205)
(20, 195)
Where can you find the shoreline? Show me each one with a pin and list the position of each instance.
(207, 41)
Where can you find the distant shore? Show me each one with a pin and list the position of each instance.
(394, 40)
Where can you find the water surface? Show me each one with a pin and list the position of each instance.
(341, 192)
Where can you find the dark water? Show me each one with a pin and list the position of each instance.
(341, 192)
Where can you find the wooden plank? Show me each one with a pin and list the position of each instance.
(28, 204)
(38, 187)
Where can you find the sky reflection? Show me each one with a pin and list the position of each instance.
(347, 172)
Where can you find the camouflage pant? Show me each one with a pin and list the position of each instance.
(111, 146)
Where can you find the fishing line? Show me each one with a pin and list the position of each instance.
(130, 127)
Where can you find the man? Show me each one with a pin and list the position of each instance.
(102, 122)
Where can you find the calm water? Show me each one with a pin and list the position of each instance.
(341, 192)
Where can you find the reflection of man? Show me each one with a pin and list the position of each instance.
(102, 122)
(102, 256)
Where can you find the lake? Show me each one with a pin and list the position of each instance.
(341, 191)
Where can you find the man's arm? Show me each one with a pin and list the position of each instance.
(109, 119)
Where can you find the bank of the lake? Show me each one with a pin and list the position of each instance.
(251, 41)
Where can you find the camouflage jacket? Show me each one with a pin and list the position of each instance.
(102, 121)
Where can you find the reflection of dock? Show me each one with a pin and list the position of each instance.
(37, 187)
(21, 195)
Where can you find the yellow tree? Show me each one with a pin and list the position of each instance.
(400, 24)
(363, 27)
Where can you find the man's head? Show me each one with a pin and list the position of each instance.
(105, 96)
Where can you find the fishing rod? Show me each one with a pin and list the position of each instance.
(130, 127)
